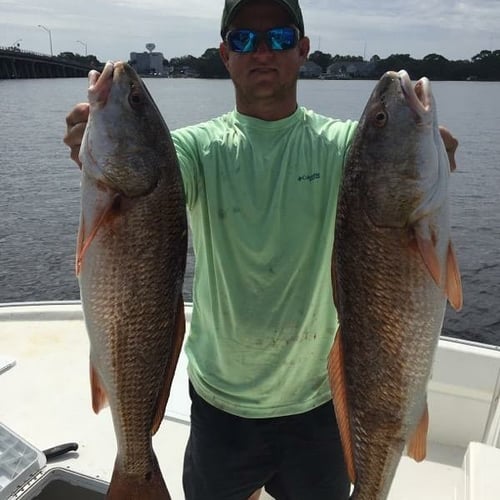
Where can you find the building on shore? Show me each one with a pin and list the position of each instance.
(310, 70)
(149, 63)
(349, 69)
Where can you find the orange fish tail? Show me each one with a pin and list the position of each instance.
(134, 487)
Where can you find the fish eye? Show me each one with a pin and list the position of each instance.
(135, 98)
(380, 118)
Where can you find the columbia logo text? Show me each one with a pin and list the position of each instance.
(310, 177)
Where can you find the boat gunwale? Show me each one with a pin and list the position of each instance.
(73, 311)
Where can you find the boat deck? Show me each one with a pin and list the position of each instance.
(45, 398)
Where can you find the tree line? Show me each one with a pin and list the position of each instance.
(483, 66)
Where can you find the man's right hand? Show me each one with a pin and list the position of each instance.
(76, 121)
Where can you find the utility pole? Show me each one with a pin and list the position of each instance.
(50, 37)
(84, 44)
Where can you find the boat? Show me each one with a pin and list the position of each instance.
(45, 401)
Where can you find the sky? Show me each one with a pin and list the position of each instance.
(112, 29)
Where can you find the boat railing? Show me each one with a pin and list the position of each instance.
(492, 428)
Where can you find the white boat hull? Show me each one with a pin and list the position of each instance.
(45, 398)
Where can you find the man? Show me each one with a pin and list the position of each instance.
(261, 186)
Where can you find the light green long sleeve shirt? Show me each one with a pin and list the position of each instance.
(262, 198)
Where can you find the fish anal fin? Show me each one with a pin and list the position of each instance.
(453, 281)
(176, 347)
(338, 385)
(99, 397)
(417, 445)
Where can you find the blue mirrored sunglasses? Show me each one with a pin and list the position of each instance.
(245, 41)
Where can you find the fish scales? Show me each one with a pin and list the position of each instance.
(390, 307)
(131, 259)
(390, 392)
(130, 306)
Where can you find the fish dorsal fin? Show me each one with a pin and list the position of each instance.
(417, 445)
(453, 281)
(336, 374)
(177, 339)
(99, 397)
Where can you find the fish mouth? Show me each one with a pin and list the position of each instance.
(419, 98)
(100, 84)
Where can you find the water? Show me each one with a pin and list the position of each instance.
(39, 184)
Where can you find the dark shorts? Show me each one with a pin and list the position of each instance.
(297, 457)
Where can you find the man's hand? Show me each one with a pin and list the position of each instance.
(76, 121)
(451, 144)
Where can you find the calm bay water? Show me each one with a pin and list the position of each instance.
(39, 184)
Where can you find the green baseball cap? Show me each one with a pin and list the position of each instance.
(231, 7)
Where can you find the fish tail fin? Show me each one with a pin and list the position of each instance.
(417, 445)
(150, 486)
(336, 374)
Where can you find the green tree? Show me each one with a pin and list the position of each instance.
(180, 64)
(486, 65)
(320, 58)
(339, 58)
(396, 62)
(88, 60)
(435, 66)
(210, 65)
(482, 56)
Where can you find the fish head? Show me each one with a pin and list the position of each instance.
(125, 141)
(399, 147)
(396, 118)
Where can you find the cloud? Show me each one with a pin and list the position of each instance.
(457, 29)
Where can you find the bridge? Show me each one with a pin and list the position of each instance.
(17, 63)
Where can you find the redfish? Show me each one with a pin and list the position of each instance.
(393, 269)
(131, 258)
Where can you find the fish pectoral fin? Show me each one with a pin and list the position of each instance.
(453, 280)
(417, 445)
(99, 396)
(79, 246)
(431, 260)
(107, 202)
(177, 339)
(452, 286)
(338, 385)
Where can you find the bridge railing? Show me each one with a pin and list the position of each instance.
(26, 54)
(17, 50)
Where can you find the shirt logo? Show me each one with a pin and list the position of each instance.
(310, 177)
